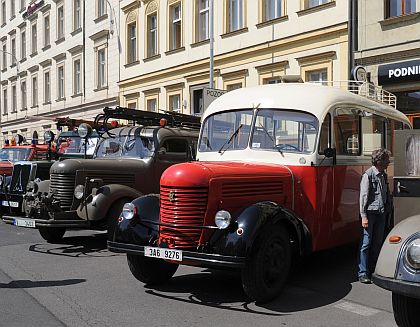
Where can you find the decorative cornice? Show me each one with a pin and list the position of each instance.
(76, 49)
(45, 63)
(273, 66)
(388, 57)
(131, 6)
(316, 57)
(23, 73)
(60, 56)
(21, 25)
(33, 68)
(45, 8)
(237, 73)
(99, 35)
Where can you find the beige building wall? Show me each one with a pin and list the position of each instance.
(300, 41)
(74, 50)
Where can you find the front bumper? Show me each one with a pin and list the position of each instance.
(67, 219)
(402, 287)
(208, 260)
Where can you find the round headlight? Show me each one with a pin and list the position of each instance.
(30, 186)
(84, 130)
(128, 211)
(413, 254)
(78, 191)
(222, 219)
(48, 136)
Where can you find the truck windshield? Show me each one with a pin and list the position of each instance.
(76, 145)
(14, 154)
(273, 129)
(286, 131)
(125, 146)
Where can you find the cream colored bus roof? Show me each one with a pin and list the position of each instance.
(316, 99)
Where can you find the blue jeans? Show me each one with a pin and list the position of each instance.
(371, 243)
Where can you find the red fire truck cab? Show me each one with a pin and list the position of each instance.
(277, 177)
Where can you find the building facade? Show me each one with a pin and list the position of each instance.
(389, 50)
(165, 61)
(58, 58)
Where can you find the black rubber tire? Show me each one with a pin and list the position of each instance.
(149, 270)
(268, 265)
(113, 215)
(52, 234)
(406, 310)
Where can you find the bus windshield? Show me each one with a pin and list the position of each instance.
(14, 154)
(125, 146)
(272, 129)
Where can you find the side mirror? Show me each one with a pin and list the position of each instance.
(331, 153)
(162, 151)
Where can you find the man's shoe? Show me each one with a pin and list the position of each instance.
(365, 280)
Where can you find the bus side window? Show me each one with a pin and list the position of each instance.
(347, 132)
(325, 135)
(373, 133)
(391, 126)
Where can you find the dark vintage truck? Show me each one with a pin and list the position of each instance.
(25, 173)
(128, 162)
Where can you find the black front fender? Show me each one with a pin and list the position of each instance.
(238, 239)
(143, 228)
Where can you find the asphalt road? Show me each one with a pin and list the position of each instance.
(79, 283)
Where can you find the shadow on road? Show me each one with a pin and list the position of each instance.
(320, 279)
(76, 246)
(46, 283)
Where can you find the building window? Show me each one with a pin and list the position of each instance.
(235, 14)
(175, 102)
(23, 94)
(272, 9)
(22, 4)
(101, 68)
(13, 49)
(5, 101)
(77, 80)
(77, 15)
(101, 7)
(34, 91)
(3, 12)
(399, 7)
(12, 8)
(34, 39)
(313, 3)
(47, 87)
(132, 105)
(60, 22)
(151, 104)
(317, 76)
(175, 26)
(60, 82)
(202, 20)
(233, 86)
(4, 57)
(132, 42)
(23, 44)
(152, 35)
(14, 98)
(47, 31)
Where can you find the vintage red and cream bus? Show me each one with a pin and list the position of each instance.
(277, 176)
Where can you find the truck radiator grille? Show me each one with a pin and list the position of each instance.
(20, 178)
(256, 188)
(63, 187)
(180, 207)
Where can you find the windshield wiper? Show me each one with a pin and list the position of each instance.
(229, 142)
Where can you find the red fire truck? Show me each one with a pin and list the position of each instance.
(277, 177)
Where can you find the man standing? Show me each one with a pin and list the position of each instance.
(374, 199)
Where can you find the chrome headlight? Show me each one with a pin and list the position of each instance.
(222, 219)
(129, 211)
(78, 191)
(412, 254)
(30, 186)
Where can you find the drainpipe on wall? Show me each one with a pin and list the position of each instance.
(84, 49)
(353, 35)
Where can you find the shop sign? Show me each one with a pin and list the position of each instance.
(400, 72)
(209, 95)
(32, 8)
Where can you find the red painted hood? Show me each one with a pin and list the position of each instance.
(6, 168)
(198, 174)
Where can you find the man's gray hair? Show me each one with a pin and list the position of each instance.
(380, 155)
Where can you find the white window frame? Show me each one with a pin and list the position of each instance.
(77, 76)
(12, 8)
(24, 94)
(273, 9)
(34, 90)
(34, 38)
(13, 48)
(47, 86)
(101, 67)
(14, 98)
(175, 30)
(132, 42)
(60, 22)
(4, 94)
(3, 12)
(4, 56)
(61, 82)
(236, 15)
(101, 8)
(77, 14)
(47, 32)
(203, 20)
(23, 44)
(152, 34)
(22, 4)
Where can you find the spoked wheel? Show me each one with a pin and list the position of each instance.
(149, 270)
(52, 234)
(406, 310)
(268, 266)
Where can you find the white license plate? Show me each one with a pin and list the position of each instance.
(10, 203)
(25, 222)
(161, 253)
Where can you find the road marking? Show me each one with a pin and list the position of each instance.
(356, 308)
